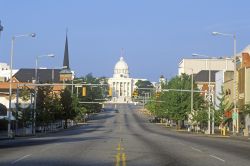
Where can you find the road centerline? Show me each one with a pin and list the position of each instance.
(21, 158)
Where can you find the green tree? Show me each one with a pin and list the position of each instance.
(175, 104)
(68, 111)
(56, 107)
(24, 94)
(3, 110)
(200, 117)
(24, 116)
(94, 93)
(44, 104)
(144, 87)
(246, 109)
(178, 103)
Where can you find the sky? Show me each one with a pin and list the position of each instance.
(155, 34)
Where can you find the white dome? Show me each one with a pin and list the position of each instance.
(121, 64)
(121, 69)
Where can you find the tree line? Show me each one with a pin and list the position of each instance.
(175, 106)
(64, 105)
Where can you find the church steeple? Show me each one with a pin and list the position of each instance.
(66, 74)
(66, 54)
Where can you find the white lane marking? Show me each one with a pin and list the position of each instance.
(196, 149)
(13, 162)
(217, 158)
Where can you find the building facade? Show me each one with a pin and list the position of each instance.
(5, 72)
(121, 84)
(197, 65)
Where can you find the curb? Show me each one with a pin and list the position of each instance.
(43, 134)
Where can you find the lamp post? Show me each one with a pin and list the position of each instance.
(1, 28)
(9, 112)
(235, 121)
(37, 58)
(36, 81)
(209, 95)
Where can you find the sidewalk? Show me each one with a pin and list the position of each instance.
(185, 131)
(4, 136)
(216, 135)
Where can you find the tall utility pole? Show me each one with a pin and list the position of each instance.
(235, 111)
(1, 28)
(9, 112)
(209, 100)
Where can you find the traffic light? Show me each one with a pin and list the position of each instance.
(84, 91)
(110, 91)
(135, 93)
(157, 94)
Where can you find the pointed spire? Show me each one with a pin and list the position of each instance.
(66, 53)
(122, 53)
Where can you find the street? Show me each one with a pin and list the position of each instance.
(124, 137)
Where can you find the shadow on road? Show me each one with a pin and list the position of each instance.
(43, 141)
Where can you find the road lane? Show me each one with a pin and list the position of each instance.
(124, 138)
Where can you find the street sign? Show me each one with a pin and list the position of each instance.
(78, 85)
(235, 116)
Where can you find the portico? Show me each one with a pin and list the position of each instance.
(120, 83)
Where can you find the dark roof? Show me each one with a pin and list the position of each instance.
(43, 75)
(203, 76)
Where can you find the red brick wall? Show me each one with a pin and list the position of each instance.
(245, 60)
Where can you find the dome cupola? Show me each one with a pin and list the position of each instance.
(121, 69)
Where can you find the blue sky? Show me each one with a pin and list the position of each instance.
(156, 34)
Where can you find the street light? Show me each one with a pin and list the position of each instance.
(209, 95)
(9, 112)
(37, 58)
(235, 121)
(36, 81)
(1, 28)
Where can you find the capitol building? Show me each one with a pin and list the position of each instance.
(121, 84)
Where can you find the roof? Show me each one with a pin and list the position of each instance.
(121, 64)
(43, 75)
(203, 76)
(4, 87)
(66, 54)
(246, 50)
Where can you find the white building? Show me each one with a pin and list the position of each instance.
(5, 72)
(121, 84)
(187, 65)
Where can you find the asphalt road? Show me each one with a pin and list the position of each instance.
(124, 138)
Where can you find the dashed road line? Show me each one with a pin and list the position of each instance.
(217, 158)
(196, 149)
(26, 156)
